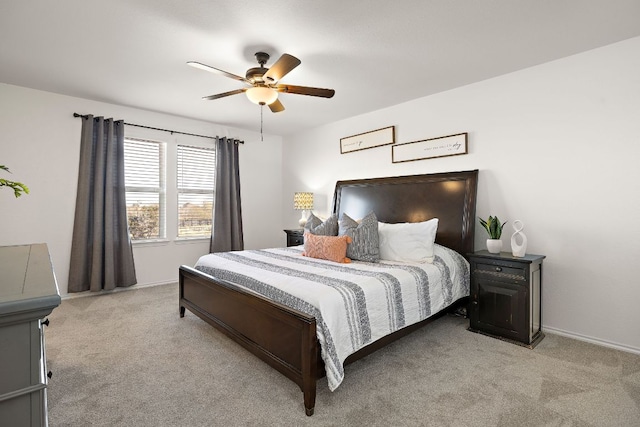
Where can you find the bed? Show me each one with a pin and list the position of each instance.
(288, 338)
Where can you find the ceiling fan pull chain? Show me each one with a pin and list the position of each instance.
(261, 135)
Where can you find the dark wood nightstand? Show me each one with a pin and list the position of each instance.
(295, 237)
(505, 297)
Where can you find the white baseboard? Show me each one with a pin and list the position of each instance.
(592, 340)
(129, 288)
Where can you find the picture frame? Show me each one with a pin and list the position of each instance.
(366, 140)
(443, 146)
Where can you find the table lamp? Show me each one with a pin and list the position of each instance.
(303, 201)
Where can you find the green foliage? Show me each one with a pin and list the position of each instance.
(493, 226)
(144, 221)
(18, 188)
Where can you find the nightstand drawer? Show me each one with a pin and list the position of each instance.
(500, 271)
(295, 240)
(295, 237)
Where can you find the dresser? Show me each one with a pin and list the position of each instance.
(28, 293)
(505, 297)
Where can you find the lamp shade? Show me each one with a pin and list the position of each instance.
(303, 201)
(262, 95)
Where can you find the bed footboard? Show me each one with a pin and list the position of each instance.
(282, 337)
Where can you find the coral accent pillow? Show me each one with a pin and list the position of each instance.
(331, 248)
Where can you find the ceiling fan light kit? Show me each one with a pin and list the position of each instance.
(262, 95)
(263, 81)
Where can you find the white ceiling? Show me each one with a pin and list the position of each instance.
(374, 53)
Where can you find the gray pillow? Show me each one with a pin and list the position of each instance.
(316, 226)
(364, 236)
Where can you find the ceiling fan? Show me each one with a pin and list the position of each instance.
(263, 82)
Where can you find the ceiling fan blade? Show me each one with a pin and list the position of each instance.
(216, 71)
(305, 90)
(222, 95)
(281, 68)
(276, 106)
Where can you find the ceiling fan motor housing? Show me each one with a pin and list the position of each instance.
(254, 75)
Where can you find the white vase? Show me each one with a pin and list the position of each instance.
(518, 249)
(494, 246)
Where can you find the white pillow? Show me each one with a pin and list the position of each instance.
(407, 241)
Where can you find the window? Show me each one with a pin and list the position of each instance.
(144, 174)
(195, 181)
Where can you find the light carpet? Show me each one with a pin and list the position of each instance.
(128, 359)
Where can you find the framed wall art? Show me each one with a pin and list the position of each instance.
(450, 145)
(362, 141)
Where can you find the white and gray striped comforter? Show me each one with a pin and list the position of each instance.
(354, 304)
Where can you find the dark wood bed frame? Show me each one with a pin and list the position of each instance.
(286, 338)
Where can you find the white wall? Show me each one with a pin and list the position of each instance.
(557, 147)
(40, 143)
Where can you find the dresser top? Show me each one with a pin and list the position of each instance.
(27, 280)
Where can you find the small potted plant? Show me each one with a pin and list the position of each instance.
(18, 188)
(494, 228)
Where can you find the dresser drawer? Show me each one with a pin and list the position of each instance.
(22, 374)
(27, 295)
(19, 356)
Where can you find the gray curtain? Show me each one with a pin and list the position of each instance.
(227, 211)
(101, 254)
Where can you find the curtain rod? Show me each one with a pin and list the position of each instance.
(84, 116)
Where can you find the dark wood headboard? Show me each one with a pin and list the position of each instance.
(450, 197)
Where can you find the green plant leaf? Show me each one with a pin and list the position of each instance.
(18, 188)
(493, 226)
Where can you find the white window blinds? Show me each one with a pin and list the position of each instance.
(195, 182)
(144, 170)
